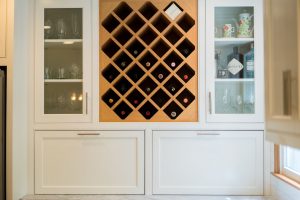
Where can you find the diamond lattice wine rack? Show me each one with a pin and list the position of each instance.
(148, 61)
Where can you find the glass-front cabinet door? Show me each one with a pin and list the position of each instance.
(63, 61)
(234, 68)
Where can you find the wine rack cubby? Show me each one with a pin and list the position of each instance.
(148, 61)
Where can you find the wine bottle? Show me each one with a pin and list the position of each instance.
(185, 100)
(148, 113)
(110, 100)
(135, 52)
(173, 89)
(249, 63)
(160, 76)
(173, 64)
(235, 64)
(173, 114)
(123, 64)
(186, 51)
(136, 101)
(185, 77)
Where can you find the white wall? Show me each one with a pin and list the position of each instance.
(283, 191)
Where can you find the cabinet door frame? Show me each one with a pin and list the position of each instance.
(256, 136)
(86, 137)
(3, 27)
(86, 116)
(258, 116)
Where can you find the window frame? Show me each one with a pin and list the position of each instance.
(283, 169)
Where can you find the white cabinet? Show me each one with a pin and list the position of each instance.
(208, 163)
(283, 72)
(104, 162)
(234, 64)
(63, 61)
(2, 28)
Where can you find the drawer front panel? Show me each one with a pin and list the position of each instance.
(97, 162)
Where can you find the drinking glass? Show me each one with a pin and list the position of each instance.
(61, 29)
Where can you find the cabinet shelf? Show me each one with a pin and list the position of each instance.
(220, 42)
(63, 80)
(235, 80)
(63, 43)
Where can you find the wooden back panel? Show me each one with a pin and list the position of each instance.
(124, 22)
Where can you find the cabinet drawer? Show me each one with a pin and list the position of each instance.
(105, 162)
(208, 163)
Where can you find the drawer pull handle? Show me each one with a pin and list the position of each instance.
(87, 134)
(86, 103)
(213, 134)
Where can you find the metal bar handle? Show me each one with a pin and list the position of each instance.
(86, 103)
(209, 103)
(88, 134)
(203, 134)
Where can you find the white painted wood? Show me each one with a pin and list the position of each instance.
(2, 28)
(95, 61)
(148, 162)
(102, 162)
(212, 116)
(208, 162)
(86, 116)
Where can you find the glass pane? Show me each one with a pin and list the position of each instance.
(234, 60)
(63, 23)
(234, 97)
(234, 22)
(293, 159)
(284, 59)
(63, 98)
(63, 61)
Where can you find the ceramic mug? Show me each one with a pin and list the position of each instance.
(228, 31)
(244, 26)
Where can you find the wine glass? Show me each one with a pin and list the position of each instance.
(75, 26)
(61, 29)
(48, 29)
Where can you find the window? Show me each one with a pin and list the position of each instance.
(290, 162)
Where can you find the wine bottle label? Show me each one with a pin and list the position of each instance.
(234, 66)
(250, 65)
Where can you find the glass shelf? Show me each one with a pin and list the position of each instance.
(235, 80)
(221, 42)
(63, 80)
